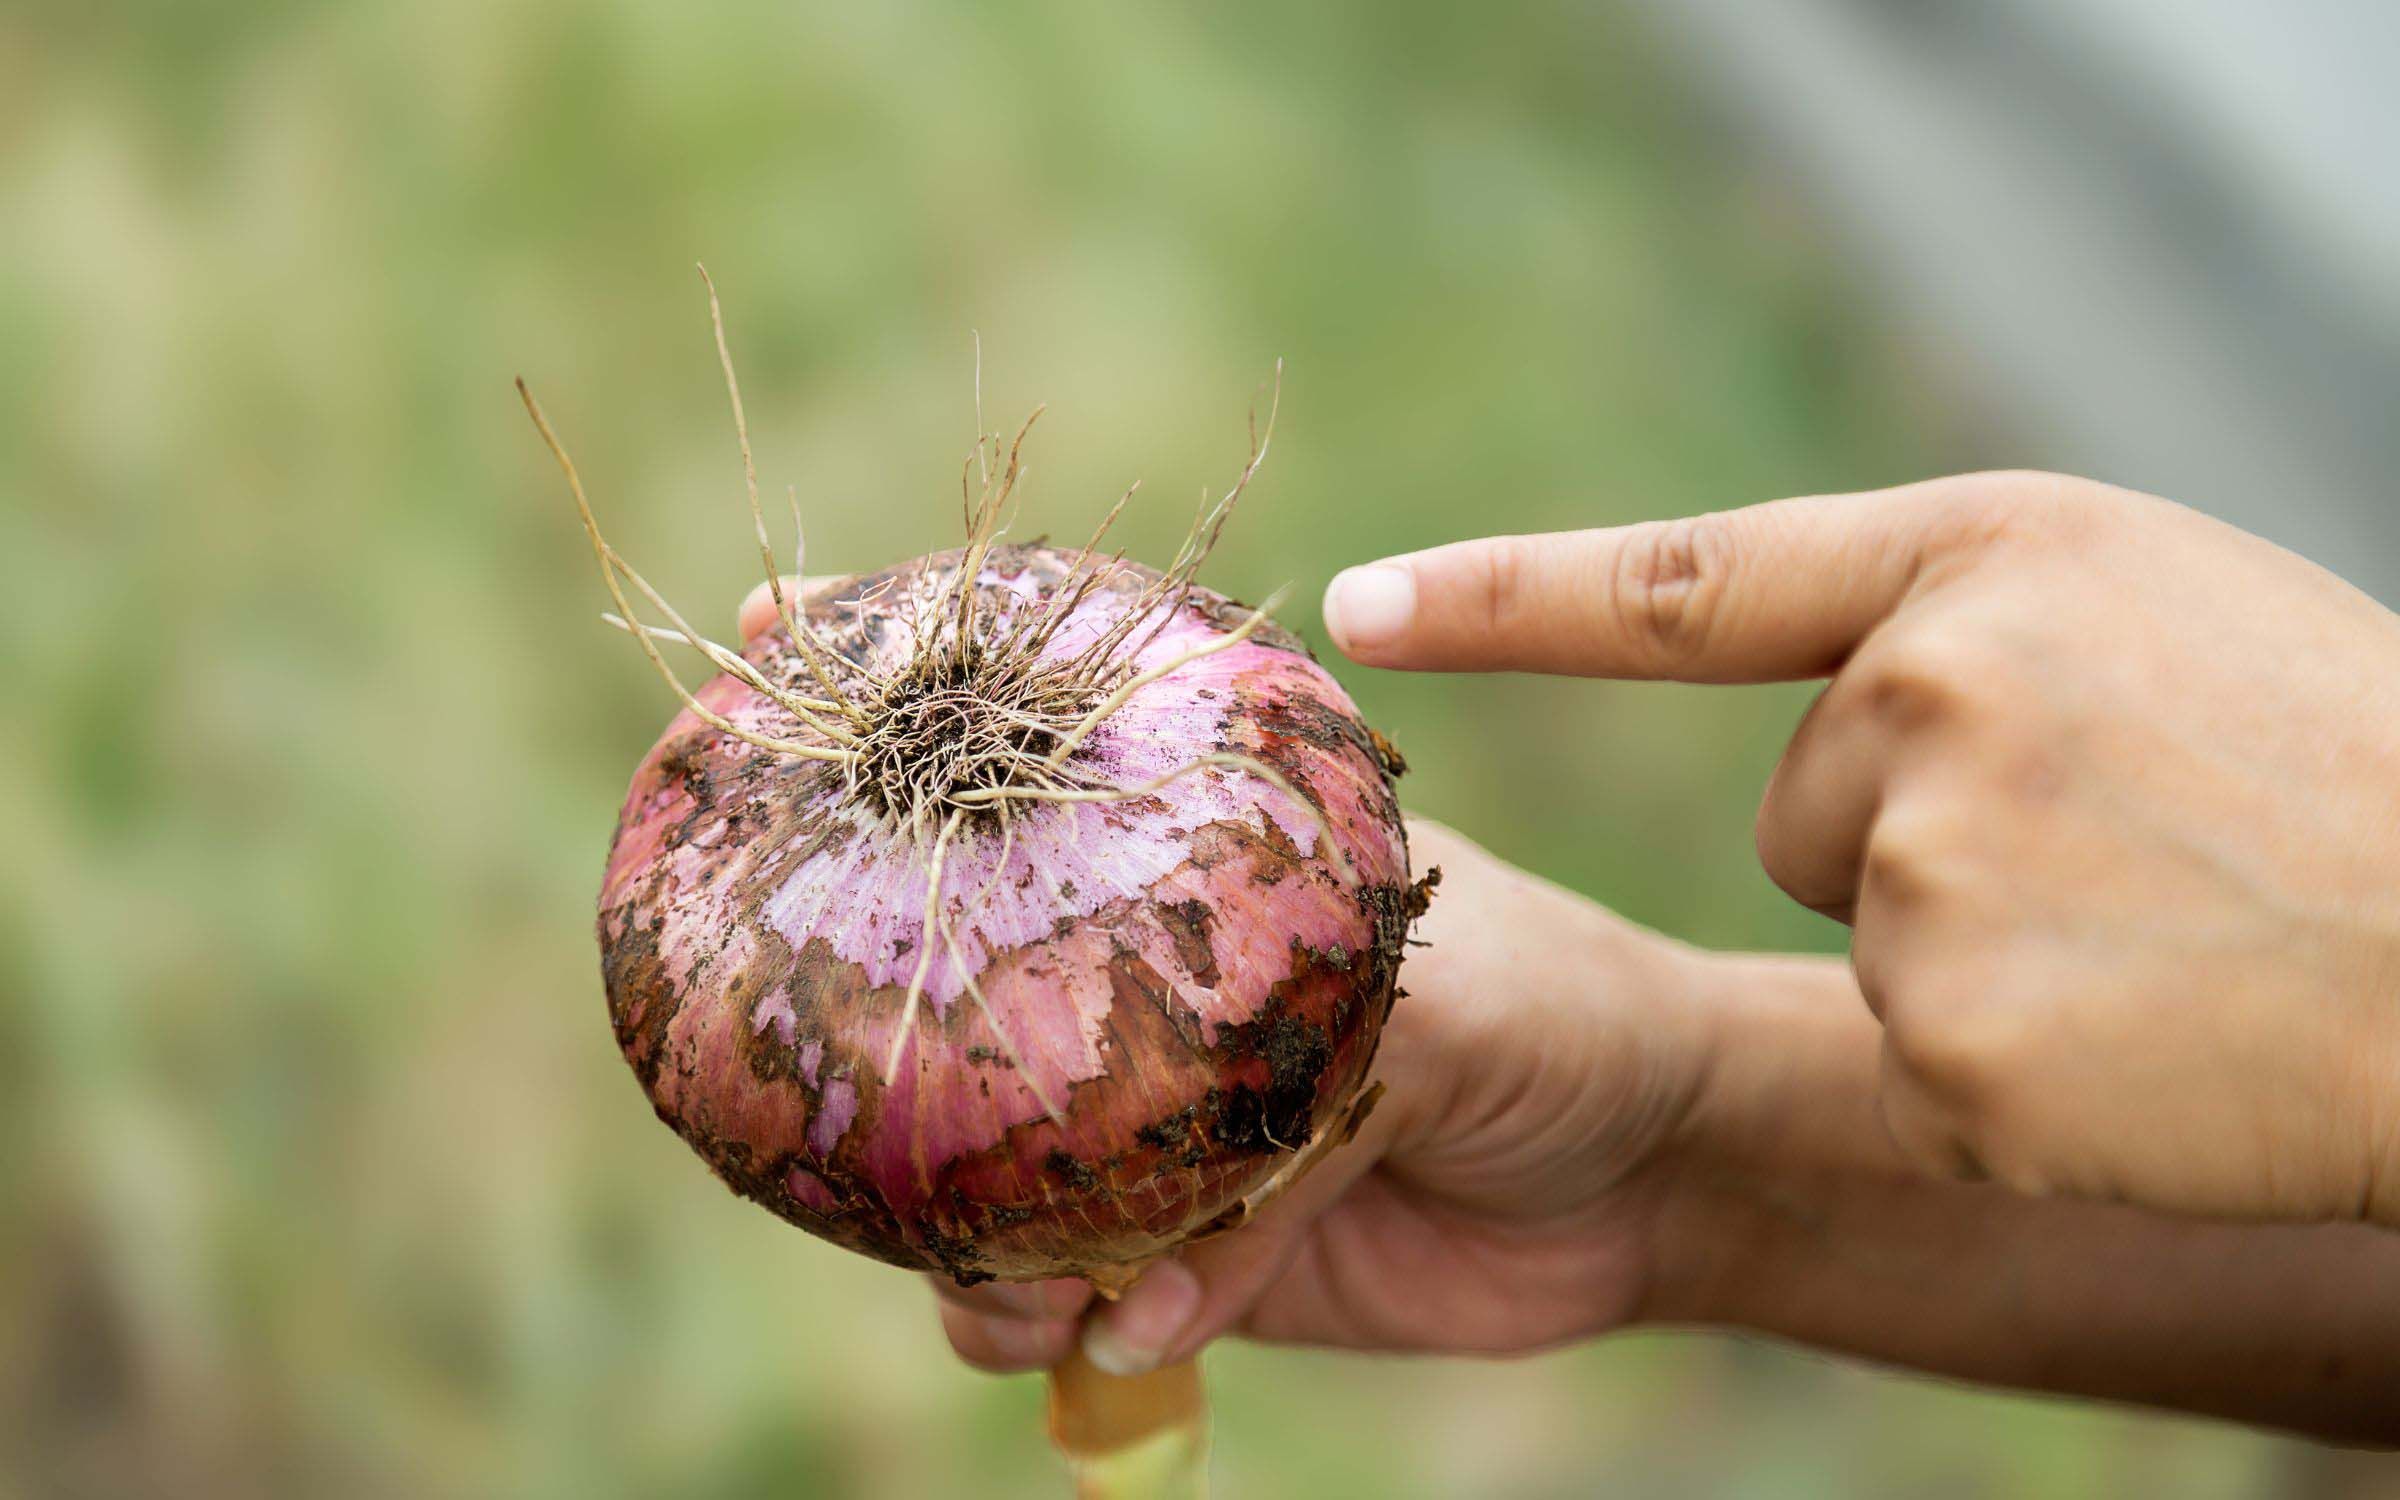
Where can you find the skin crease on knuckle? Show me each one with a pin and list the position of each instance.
(1921, 855)
(1507, 568)
(1672, 577)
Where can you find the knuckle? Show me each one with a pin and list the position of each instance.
(2004, 504)
(2001, 486)
(1506, 584)
(1974, 1058)
(1963, 693)
(1956, 1091)
(1913, 854)
(1898, 872)
(1671, 583)
(1929, 679)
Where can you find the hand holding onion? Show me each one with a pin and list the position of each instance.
(1506, 1193)
(1584, 1125)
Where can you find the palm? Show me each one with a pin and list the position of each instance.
(1532, 1069)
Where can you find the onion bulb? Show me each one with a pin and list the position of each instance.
(1015, 912)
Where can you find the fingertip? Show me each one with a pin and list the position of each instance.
(1004, 1345)
(1140, 1331)
(757, 612)
(1369, 609)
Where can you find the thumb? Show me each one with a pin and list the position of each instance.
(1776, 591)
(759, 611)
(1209, 1287)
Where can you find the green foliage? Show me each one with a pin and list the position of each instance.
(323, 1175)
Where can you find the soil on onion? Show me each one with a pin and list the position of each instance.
(938, 709)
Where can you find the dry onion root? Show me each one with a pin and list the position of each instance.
(1012, 913)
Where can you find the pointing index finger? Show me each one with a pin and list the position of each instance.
(1776, 591)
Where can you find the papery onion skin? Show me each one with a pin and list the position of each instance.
(1191, 978)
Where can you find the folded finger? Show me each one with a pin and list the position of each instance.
(1035, 1301)
(759, 611)
(1003, 1345)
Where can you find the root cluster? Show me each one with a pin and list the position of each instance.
(984, 711)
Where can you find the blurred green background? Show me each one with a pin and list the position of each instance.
(321, 1175)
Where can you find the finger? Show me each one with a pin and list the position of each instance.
(1001, 1345)
(1908, 704)
(758, 610)
(1924, 965)
(1034, 1301)
(1135, 1335)
(1777, 591)
(1182, 1303)
(1818, 807)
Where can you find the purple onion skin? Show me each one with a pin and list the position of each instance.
(1190, 978)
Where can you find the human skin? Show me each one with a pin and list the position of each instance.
(2107, 790)
(1588, 1127)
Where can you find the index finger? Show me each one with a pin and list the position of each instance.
(1776, 591)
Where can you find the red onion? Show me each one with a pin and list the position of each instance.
(1012, 913)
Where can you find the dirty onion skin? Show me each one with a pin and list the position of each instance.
(1185, 977)
(1011, 914)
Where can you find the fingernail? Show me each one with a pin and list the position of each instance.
(1133, 1337)
(1367, 607)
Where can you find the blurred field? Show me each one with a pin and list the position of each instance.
(321, 1175)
